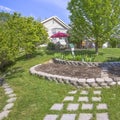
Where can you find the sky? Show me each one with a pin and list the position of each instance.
(39, 9)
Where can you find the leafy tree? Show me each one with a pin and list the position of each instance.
(94, 18)
(19, 33)
(4, 16)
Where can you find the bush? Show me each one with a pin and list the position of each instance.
(51, 46)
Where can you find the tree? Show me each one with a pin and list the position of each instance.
(94, 18)
(19, 33)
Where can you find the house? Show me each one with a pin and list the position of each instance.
(54, 25)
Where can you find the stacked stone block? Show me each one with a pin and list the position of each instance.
(82, 82)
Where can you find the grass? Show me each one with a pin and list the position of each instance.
(36, 95)
(86, 55)
(3, 98)
(112, 98)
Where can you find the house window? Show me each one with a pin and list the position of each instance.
(53, 31)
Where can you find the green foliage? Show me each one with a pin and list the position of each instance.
(32, 91)
(90, 56)
(94, 19)
(18, 34)
(51, 46)
(84, 57)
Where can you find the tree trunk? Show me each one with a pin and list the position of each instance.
(96, 47)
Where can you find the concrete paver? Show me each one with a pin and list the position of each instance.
(50, 117)
(85, 116)
(97, 92)
(102, 116)
(57, 106)
(87, 106)
(4, 114)
(68, 98)
(11, 100)
(96, 99)
(8, 106)
(83, 99)
(68, 117)
(73, 92)
(102, 106)
(84, 92)
(72, 107)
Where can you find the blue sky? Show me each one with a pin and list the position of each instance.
(38, 8)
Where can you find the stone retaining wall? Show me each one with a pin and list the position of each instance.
(90, 82)
(90, 64)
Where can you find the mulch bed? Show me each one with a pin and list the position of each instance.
(76, 71)
(114, 72)
(70, 70)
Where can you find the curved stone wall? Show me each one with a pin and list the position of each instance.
(90, 82)
(102, 64)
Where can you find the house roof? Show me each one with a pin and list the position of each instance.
(57, 20)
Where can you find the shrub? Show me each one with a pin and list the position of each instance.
(51, 46)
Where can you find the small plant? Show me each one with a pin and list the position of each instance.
(51, 46)
(78, 57)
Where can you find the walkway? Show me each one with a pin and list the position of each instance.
(9, 103)
(80, 105)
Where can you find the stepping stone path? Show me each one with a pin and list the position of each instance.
(10, 102)
(80, 105)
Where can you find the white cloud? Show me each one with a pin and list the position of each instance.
(6, 9)
(59, 3)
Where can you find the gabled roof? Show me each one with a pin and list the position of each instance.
(57, 20)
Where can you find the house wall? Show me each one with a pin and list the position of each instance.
(53, 27)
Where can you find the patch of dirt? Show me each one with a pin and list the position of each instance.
(114, 72)
(70, 70)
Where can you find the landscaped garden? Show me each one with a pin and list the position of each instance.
(40, 97)
(35, 95)
(105, 55)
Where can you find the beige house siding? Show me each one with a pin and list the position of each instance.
(54, 25)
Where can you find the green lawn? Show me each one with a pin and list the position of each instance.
(108, 54)
(3, 98)
(36, 95)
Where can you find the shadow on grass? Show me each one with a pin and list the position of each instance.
(113, 59)
(11, 73)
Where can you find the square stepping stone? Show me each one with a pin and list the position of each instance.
(8, 106)
(97, 92)
(102, 116)
(11, 100)
(87, 106)
(8, 89)
(68, 117)
(85, 116)
(12, 95)
(57, 106)
(102, 106)
(4, 114)
(9, 92)
(84, 92)
(83, 99)
(72, 107)
(50, 117)
(96, 99)
(73, 92)
(68, 98)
